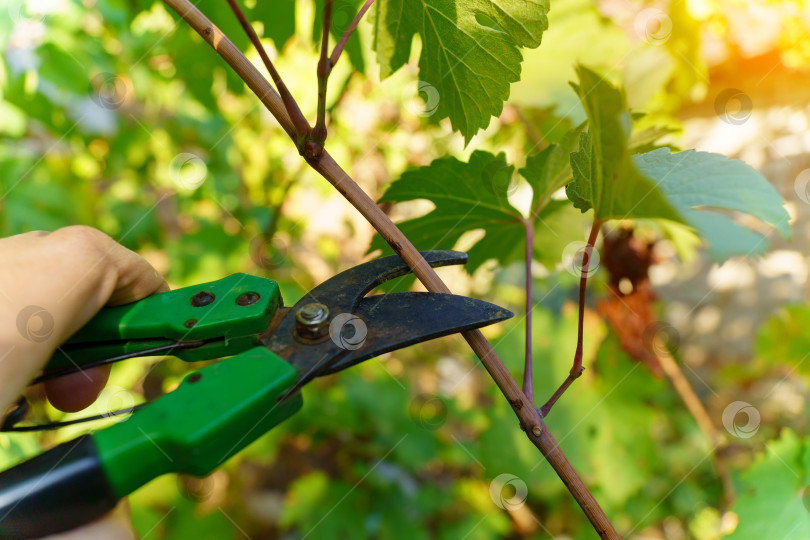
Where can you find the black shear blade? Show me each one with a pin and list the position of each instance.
(361, 328)
(388, 322)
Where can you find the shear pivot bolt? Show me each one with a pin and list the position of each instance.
(312, 320)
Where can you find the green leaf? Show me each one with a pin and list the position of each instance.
(473, 196)
(467, 196)
(63, 69)
(550, 169)
(695, 183)
(278, 18)
(770, 503)
(646, 140)
(604, 176)
(784, 340)
(661, 185)
(470, 50)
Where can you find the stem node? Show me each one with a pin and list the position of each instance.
(331, 171)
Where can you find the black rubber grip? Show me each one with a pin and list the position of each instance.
(54, 492)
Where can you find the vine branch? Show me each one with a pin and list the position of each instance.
(299, 122)
(325, 165)
(577, 369)
(326, 63)
(324, 69)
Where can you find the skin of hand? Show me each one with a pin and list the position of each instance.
(51, 284)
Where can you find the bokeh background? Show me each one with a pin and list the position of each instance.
(114, 114)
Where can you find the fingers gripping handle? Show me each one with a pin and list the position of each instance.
(228, 313)
(214, 413)
(56, 491)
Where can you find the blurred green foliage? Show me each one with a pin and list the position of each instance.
(114, 114)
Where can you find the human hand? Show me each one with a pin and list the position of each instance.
(51, 284)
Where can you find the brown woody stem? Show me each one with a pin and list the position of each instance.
(529, 417)
(299, 122)
(577, 369)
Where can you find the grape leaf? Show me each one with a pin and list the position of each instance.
(550, 169)
(696, 182)
(470, 50)
(770, 503)
(467, 196)
(680, 187)
(278, 19)
(604, 176)
(470, 196)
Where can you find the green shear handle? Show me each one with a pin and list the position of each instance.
(215, 412)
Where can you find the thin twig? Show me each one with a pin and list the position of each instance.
(324, 69)
(234, 58)
(699, 413)
(577, 369)
(529, 417)
(336, 52)
(300, 123)
(528, 379)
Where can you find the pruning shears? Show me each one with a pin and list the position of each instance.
(219, 409)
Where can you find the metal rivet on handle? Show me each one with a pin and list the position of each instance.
(202, 298)
(248, 298)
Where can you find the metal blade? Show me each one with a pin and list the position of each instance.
(342, 291)
(392, 321)
(389, 322)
